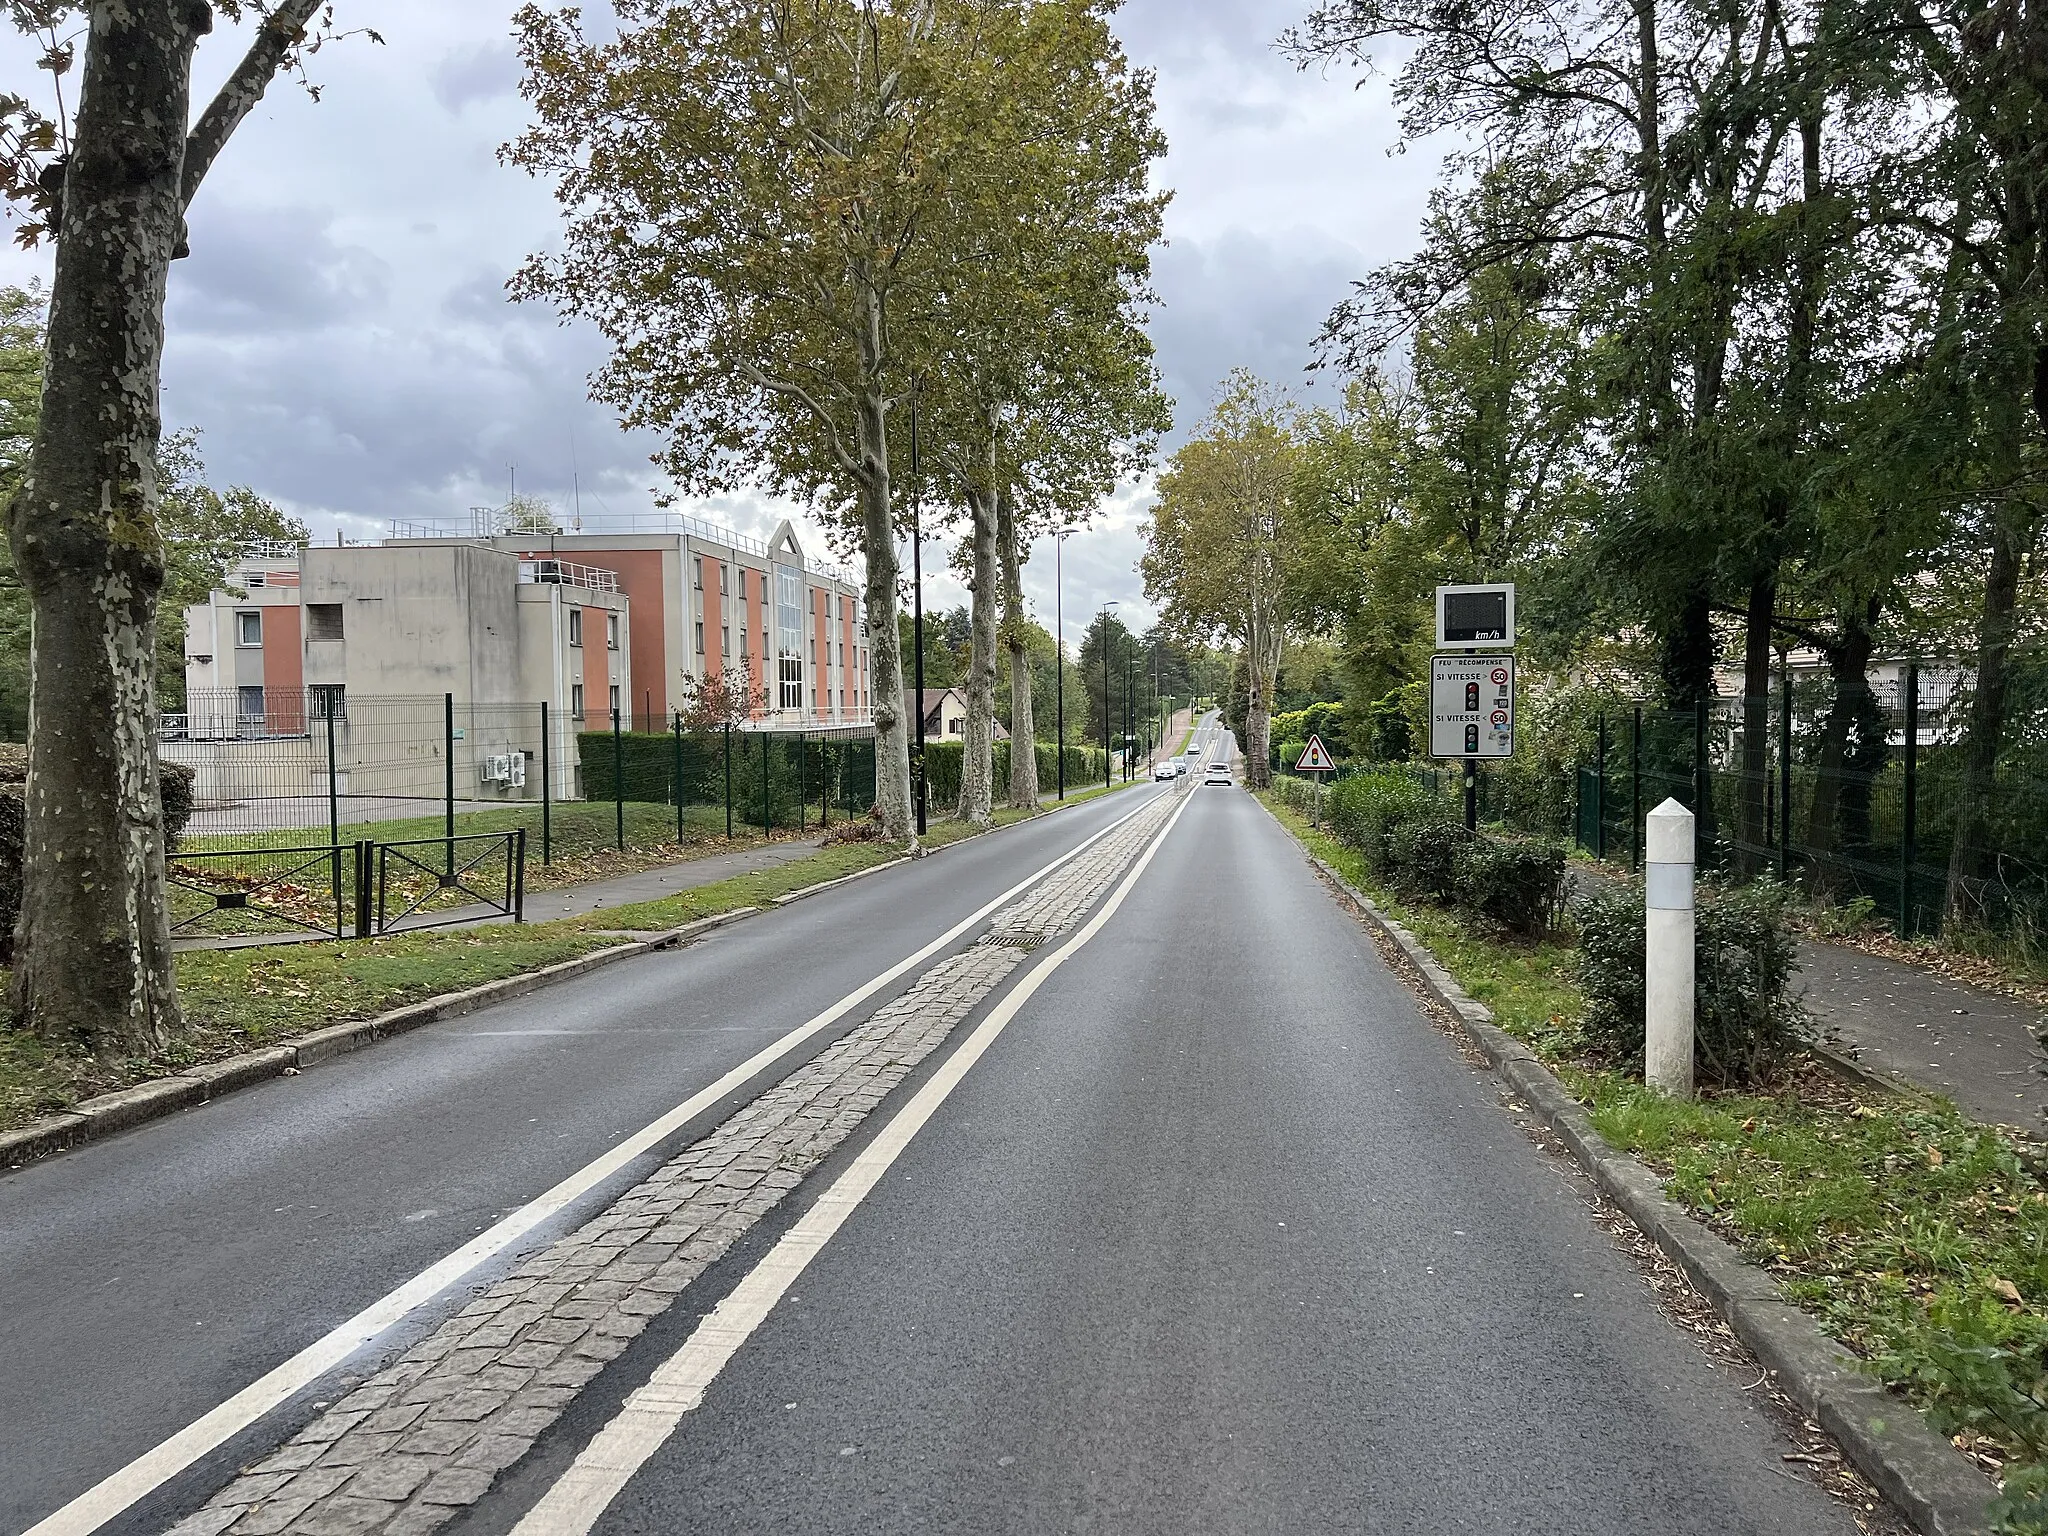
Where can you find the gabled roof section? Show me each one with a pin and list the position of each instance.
(783, 546)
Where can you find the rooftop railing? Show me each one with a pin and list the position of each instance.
(567, 573)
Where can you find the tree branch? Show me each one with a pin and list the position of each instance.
(281, 32)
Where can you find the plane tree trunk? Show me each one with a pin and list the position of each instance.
(93, 952)
(977, 758)
(1023, 728)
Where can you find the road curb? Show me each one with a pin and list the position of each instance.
(1923, 1475)
(107, 1113)
(825, 885)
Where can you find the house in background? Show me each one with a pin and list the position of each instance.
(945, 715)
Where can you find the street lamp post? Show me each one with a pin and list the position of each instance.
(917, 605)
(1102, 629)
(1059, 619)
(1130, 681)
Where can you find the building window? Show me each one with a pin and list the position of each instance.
(615, 699)
(725, 639)
(576, 634)
(814, 653)
(249, 631)
(611, 631)
(698, 579)
(323, 621)
(700, 637)
(328, 700)
(249, 702)
(789, 663)
(576, 700)
(721, 578)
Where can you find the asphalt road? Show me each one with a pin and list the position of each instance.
(145, 1278)
(1221, 1237)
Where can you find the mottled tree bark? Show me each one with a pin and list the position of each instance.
(977, 756)
(878, 545)
(93, 953)
(1023, 729)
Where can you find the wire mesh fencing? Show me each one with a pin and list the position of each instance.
(275, 769)
(1861, 795)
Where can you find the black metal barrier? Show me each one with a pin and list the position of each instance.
(477, 876)
(249, 892)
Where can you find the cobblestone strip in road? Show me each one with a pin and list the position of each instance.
(408, 1449)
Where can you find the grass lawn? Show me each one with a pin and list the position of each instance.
(1914, 1235)
(583, 836)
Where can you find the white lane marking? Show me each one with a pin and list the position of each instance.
(653, 1412)
(154, 1467)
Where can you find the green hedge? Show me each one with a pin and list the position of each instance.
(768, 776)
(942, 760)
(1413, 841)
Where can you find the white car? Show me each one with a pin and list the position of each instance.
(1165, 771)
(1216, 773)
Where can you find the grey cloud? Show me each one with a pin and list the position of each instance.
(280, 269)
(1243, 300)
(480, 73)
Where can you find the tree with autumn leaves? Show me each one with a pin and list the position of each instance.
(785, 215)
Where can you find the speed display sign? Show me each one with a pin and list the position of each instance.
(1471, 706)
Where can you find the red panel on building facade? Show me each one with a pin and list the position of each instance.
(284, 671)
(639, 573)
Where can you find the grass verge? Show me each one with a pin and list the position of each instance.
(583, 836)
(244, 999)
(1916, 1236)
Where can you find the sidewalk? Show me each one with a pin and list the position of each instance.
(1899, 1021)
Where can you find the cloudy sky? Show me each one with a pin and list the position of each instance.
(341, 336)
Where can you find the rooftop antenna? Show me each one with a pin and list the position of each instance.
(575, 486)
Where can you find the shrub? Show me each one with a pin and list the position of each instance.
(1746, 1021)
(1518, 885)
(174, 794)
(1299, 796)
(1364, 809)
(1425, 855)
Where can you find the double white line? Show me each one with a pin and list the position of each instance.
(652, 1413)
(154, 1467)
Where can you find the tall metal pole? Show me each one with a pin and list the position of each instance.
(547, 829)
(1102, 643)
(1635, 792)
(333, 814)
(448, 754)
(728, 781)
(1909, 824)
(1784, 766)
(917, 602)
(676, 773)
(1059, 612)
(618, 783)
(1130, 681)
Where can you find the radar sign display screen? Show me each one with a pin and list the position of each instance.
(1473, 618)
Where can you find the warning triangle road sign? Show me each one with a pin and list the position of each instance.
(1315, 758)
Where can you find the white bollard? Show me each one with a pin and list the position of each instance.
(1668, 949)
